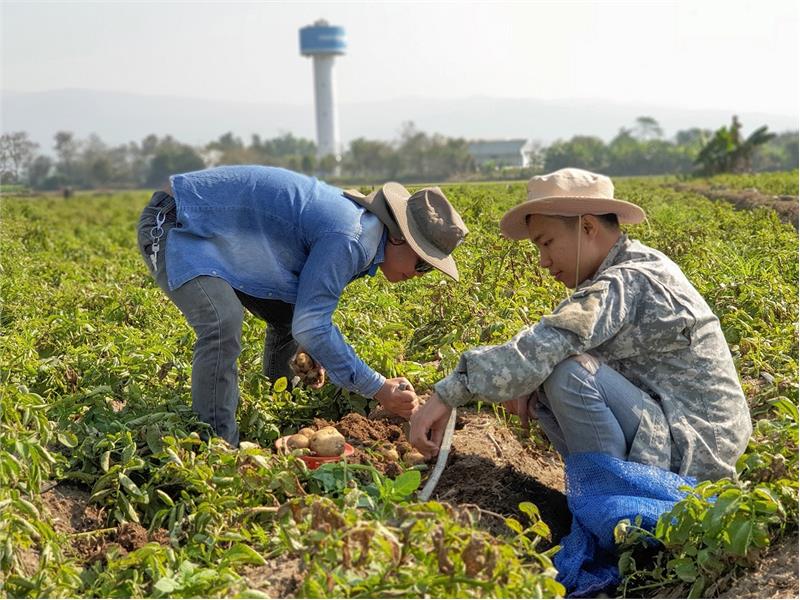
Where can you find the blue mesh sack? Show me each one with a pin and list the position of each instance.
(601, 491)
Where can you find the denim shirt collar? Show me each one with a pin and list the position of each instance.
(379, 257)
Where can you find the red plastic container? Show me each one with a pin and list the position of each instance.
(312, 460)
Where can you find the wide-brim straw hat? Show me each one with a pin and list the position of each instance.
(424, 219)
(568, 193)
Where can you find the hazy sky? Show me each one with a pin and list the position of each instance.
(681, 53)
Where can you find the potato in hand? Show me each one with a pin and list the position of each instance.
(306, 369)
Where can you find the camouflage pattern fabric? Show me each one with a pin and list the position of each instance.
(641, 316)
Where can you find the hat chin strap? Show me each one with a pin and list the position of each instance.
(578, 259)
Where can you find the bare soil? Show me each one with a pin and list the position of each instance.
(785, 206)
(775, 575)
(279, 578)
(72, 514)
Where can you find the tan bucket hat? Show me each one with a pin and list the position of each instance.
(425, 219)
(568, 193)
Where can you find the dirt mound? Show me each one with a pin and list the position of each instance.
(785, 206)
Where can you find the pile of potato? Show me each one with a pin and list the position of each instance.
(325, 442)
(393, 453)
(329, 442)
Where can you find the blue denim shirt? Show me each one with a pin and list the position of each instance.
(273, 233)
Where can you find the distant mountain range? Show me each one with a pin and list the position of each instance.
(119, 117)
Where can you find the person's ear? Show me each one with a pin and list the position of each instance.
(590, 225)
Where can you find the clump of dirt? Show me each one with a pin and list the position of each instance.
(369, 432)
(131, 536)
(127, 537)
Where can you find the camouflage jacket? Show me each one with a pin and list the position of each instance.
(641, 316)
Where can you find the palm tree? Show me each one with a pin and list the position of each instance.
(726, 152)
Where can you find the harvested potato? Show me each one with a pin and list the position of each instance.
(389, 453)
(298, 440)
(413, 458)
(327, 442)
(306, 368)
(308, 432)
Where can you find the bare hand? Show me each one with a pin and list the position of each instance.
(524, 407)
(431, 418)
(397, 396)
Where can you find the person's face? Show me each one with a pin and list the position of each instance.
(557, 241)
(399, 262)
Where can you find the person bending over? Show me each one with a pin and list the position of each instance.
(284, 246)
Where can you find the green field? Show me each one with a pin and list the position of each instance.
(95, 366)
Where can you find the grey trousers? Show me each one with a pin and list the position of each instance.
(215, 311)
(586, 406)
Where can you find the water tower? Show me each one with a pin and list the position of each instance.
(323, 42)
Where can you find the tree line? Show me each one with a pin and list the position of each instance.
(415, 155)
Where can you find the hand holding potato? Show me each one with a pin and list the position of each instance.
(309, 371)
(397, 396)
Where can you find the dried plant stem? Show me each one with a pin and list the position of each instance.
(84, 534)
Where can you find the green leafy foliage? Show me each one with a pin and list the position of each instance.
(95, 392)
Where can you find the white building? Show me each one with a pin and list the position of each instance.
(502, 153)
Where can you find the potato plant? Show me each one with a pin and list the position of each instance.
(95, 393)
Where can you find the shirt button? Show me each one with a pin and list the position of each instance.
(213, 272)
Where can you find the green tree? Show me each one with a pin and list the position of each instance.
(726, 152)
(172, 157)
(694, 137)
(16, 155)
(778, 154)
(370, 159)
(94, 163)
(647, 128)
(584, 152)
(40, 172)
(67, 150)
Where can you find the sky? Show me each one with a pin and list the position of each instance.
(697, 54)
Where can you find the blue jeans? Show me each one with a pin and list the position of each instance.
(215, 311)
(586, 406)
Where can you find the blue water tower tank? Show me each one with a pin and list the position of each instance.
(321, 38)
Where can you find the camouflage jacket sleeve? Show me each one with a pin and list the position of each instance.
(586, 319)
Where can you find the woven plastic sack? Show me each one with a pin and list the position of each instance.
(601, 491)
